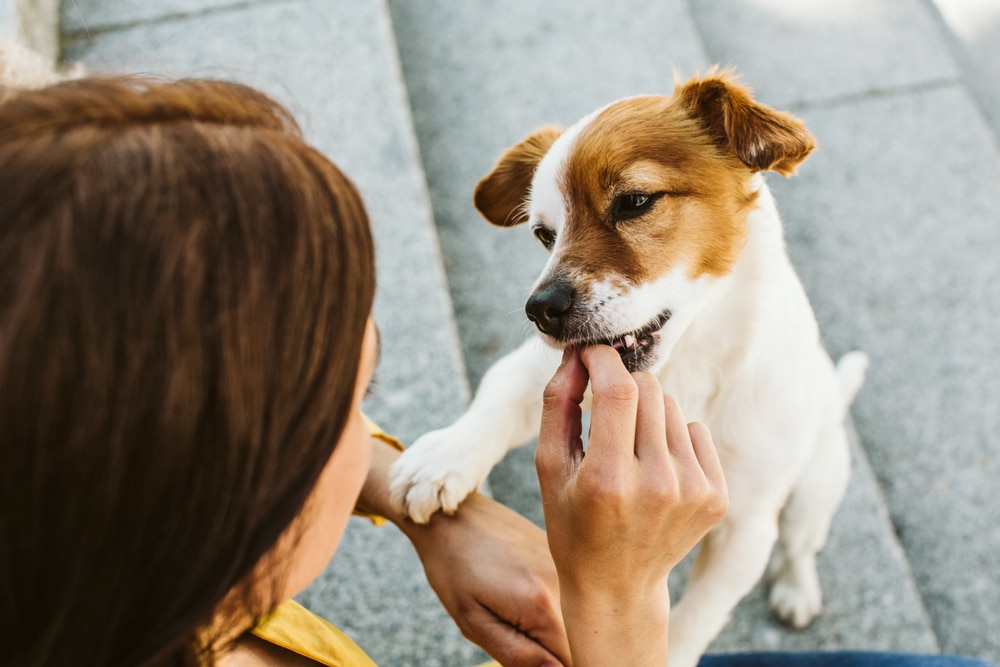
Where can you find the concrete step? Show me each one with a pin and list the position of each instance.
(972, 29)
(335, 65)
(10, 21)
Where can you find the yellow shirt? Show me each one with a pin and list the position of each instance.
(294, 628)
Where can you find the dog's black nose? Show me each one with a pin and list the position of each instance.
(548, 306)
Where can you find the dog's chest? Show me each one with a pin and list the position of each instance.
(695, 386)
(706, 361)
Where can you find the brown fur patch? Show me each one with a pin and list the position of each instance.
(654, 146)
(695, 152)
(764, 139)
(501, 194)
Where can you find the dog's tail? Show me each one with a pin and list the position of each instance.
(851, 369)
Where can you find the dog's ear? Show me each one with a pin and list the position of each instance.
(762, 138)
(500, 195)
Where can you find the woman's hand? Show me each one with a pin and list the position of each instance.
(623, 513)
(491, 569)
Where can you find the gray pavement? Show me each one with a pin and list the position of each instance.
(893, 224)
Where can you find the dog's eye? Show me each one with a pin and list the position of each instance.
(545, 235)
(631, 205)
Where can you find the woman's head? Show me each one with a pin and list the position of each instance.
(184, 291)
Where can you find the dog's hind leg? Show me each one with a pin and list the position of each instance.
(731, 560)
(795, 596)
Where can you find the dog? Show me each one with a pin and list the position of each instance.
(665, 243)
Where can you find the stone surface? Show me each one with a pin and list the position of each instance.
(972, 29)
(85, 17)
(821, 50)
(8, 19)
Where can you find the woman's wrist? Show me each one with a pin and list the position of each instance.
(374, 496)
(603, 626)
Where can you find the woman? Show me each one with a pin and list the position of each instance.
(185, 341)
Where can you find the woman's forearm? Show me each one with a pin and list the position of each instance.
(490, 567)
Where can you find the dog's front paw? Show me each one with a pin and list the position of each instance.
(796, 597)
(437, 472)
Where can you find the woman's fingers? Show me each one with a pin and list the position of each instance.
(559, 440)
(651, 446)
(678, 436)
(635, 430)
(704, 449)
(708, 459)
(615, 404)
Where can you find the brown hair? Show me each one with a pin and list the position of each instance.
(184, 288)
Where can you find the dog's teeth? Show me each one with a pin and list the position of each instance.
(626, 343)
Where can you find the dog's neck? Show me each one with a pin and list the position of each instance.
(765, 234)
(761, 281)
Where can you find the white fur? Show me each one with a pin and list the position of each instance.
(742, 354)
(22, 69)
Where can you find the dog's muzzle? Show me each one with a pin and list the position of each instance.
(549, 307)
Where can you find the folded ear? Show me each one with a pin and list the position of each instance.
(501, 194)
(762, 138)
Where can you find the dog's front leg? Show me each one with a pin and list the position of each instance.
(443, 467)
(732, 558)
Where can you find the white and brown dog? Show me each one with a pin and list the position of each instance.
(666, 244)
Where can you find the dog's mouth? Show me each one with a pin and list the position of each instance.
(636, 347)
